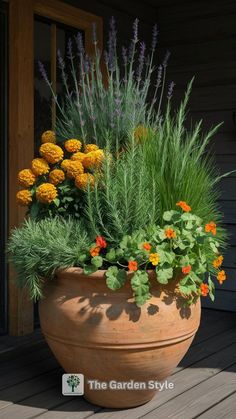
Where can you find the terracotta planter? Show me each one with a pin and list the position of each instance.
(105, 336)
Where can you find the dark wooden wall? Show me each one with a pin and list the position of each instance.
(201, 35)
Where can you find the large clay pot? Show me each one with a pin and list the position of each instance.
(105, 336)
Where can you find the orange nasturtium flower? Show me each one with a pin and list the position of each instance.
(170, 233)
(204, 290)
(221, 277)
(101, 242)
(147, 246)
(218, 262)
(186, 269)
(94, 251)
(184, 206)
(154, 258)
(211, 228)
(132, 266)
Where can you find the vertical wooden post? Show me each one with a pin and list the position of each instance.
(53, 69)
(21, 139)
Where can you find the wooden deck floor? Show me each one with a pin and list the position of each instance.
(204, 382)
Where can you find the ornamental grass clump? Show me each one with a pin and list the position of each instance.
(122, 185)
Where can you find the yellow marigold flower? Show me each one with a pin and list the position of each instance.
(56, 176)
(184, 206)
(46, 193)
(221, 277)
(65, 163)
(83, 180)
(154, 258)
(24, 197)
(90, 147)
(73, 145)
(93, 159)
(218, 262)
(26, 178)
(78, 156)
(51, 152)
(74, 168)
(39, 167)
(140, 133)
(48, 137)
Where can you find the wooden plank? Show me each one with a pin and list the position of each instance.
(196, 400)
(224, 300)
(183, 380)
(228, 207)
(211, 325)
(53, 63)
(77, 408)
(29, 388)
(224, 409)
(21, 134)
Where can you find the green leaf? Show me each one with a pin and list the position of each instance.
(89, 269)
(140, 286)
(164, 274)
(171, 216)
(82, 258)
(34, 210)
(111, 255)
(57, 202)
(211, 289)
(185, 289)
(97, 261)
(165, 255)
(115, 278)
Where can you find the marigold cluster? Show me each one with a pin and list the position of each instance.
(154, 259)
(74, 168)
(211, 228)
(184, 206)
(90, 147)
(82, 181)
(78, 156)
(52, 153)
(48, 137)
(40, 166)
(46, 193)
(170, 233)
(24, 197)
(93, 159)
(73, 145)
(26, 178)
(56, 176)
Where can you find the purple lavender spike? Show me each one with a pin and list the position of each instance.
(154, 37)
(170, 90)
(124, 55)
(43, 71)
(135, 29)
(141, 59)
(61, 62)
(79, 43)
(159, 76)
(94, 32)
(165, 61)
(106, 59)
(69, 49)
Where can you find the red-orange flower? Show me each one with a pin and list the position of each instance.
(186, 269)
(101, 242)
(94, 251)
(211, 228)
(218, 262)
(147, 246)
(221, 277)
(170, 233)
(132, 266)
(184, 206)
(204, 290)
